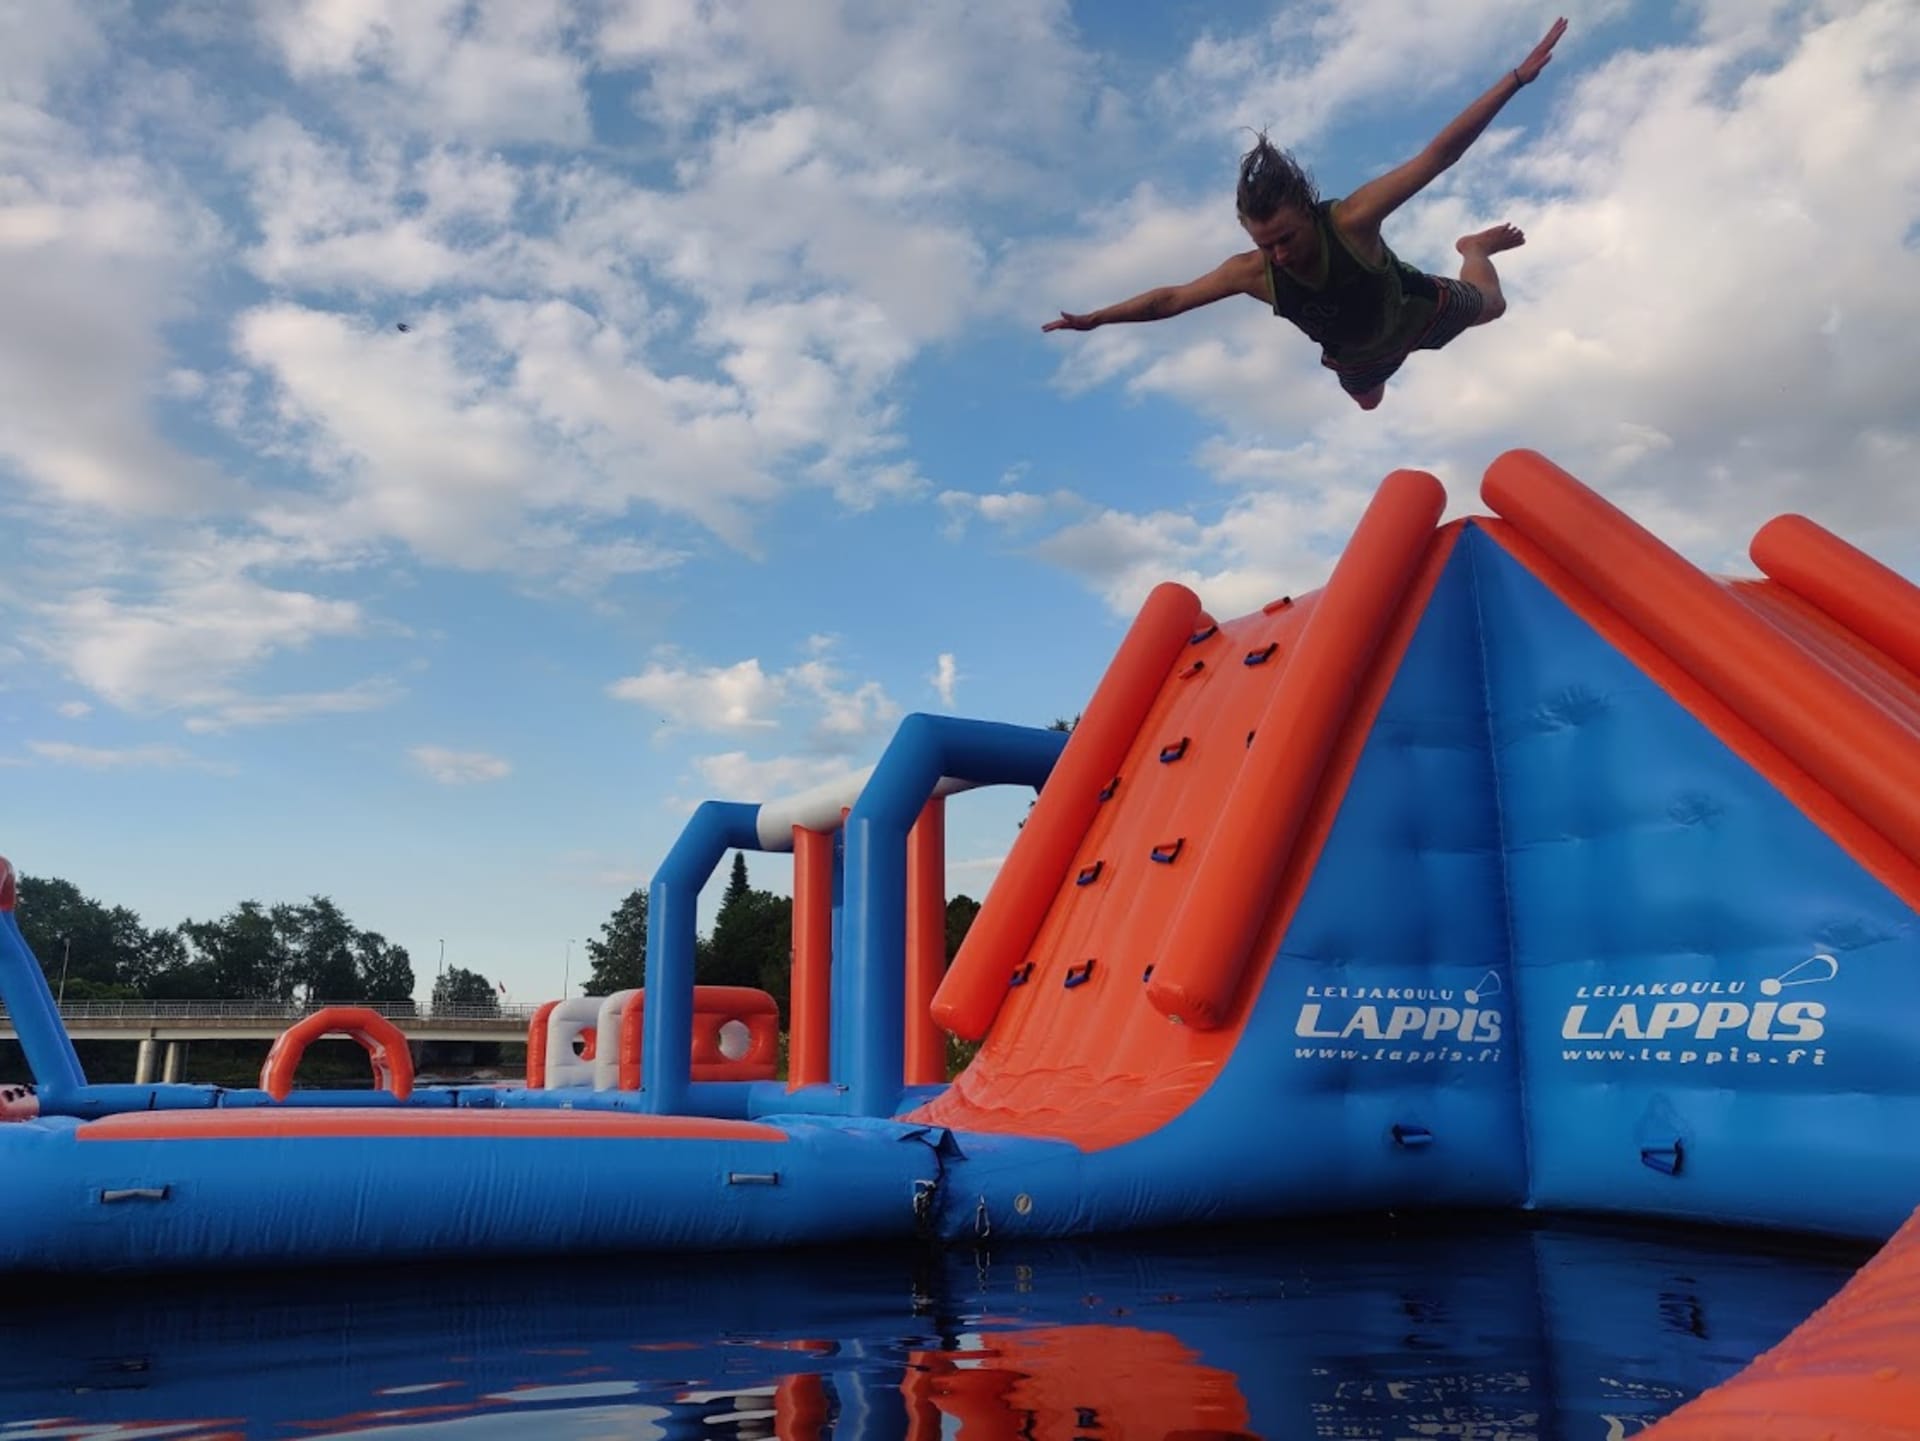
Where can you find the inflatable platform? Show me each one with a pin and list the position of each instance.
(1521, 865)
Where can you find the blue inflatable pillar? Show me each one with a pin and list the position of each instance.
(673, 900)
(36, 1019)
(870, 983)
(836, 1041)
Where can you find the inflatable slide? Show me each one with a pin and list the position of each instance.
(1521, 865)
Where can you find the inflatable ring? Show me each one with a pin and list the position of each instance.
(384, 1043)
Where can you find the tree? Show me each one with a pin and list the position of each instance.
(619, 956)
(752, 945)
(385, 970)
(242, 955)
(458, 986)
(737, 882)
(320, 941)
(95, 944)
(961, 911)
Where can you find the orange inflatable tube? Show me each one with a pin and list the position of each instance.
(384, 1043)
(975, 985)
(800, 1407)
(1849, 1372)
(812, 994)
(1879, 605)
(537, 1047)
(926, 1043)
(1867, 758)
(1208, 945)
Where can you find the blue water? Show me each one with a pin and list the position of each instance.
(1493, 1330)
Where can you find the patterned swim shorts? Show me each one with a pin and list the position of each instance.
(1459, 304)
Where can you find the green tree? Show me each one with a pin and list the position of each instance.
(108, 947)
(737, 882)
(241, 955)
(385, 970)
(961, 911)
(752, 945)
(457, 986)
(619, 954)
(320, 941)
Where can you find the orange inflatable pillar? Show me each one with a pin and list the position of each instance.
(799, 1407)
(1197, 970)
(810, 1025)
(537, 1047)
(926, 943)
(916, 1390)
(1036, 864)
(1879, 605)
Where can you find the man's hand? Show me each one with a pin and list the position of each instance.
(1526, 71)
(1070, 322)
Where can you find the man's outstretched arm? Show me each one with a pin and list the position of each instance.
(1242, 275)
(1362, 212)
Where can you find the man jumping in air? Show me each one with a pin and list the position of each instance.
(1323, 265)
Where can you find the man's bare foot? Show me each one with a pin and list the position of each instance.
(1491, 241)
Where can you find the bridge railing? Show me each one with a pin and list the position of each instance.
(289, 1011)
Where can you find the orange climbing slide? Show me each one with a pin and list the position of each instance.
(1250, 733)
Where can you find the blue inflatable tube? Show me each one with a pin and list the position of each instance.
(147, 1191)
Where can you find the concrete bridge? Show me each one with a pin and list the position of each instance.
(149, 1023)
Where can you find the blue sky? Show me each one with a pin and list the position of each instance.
(723, 433)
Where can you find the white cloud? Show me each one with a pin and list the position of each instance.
(41, 43)
(180, 639)
(1010, 510)
(950, 96)
(459, 768)
(745, 697)
(973, 875)
(493, 71)
(847, 716)
(74, 709)
(106, 758)
(99, 251)
(945, 678)
(278, 709)
(739, 697)
(736, 775)
(1313, 62)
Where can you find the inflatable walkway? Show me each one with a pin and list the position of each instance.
(1521, 865)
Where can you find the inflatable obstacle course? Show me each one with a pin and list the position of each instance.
(1521, 865)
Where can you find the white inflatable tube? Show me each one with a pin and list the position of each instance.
(606, 1054)
(564, 1022)
(819, 809)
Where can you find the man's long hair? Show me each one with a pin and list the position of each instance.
(1271, 180)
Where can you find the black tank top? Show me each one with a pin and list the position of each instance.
(1356, 307)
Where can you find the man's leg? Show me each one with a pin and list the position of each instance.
(1476, 266)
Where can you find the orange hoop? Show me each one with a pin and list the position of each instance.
(384, 1043)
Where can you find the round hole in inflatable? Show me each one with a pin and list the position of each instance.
(735, 1040)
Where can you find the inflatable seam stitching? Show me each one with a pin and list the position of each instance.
(1500, 831)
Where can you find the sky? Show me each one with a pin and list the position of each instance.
(444, 441)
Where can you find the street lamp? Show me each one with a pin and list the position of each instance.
(66, 953)
(443, 959)
(566, 973)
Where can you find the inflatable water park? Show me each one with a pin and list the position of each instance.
(1522, 866)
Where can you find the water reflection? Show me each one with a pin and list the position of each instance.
(1472, 1331)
